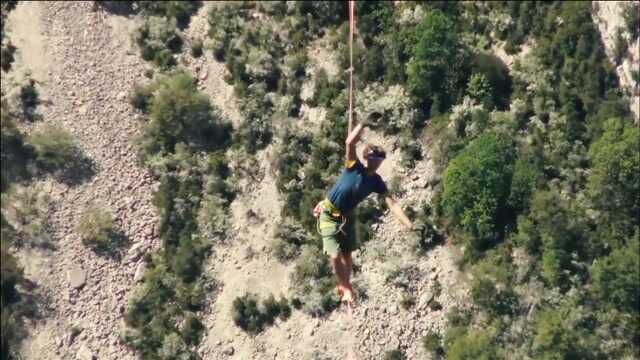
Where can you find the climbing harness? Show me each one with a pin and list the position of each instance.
(324, 206)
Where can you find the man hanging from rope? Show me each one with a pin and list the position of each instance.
(357, 181)
(335, 213)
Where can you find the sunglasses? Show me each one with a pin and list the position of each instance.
(375, 157)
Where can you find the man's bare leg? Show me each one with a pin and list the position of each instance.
(339, 268)
(347, 263)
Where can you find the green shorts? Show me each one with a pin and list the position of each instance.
(335, 238)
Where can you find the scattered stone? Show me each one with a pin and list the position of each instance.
(77, 278)
(229, 351)
(140, 270)
(121, 95)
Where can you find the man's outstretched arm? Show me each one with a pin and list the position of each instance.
(397, 211)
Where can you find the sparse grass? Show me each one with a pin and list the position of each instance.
(26, 209)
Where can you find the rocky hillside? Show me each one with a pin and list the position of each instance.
(86, 63)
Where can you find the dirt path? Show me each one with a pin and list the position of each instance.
(87, 67)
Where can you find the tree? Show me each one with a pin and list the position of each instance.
(439, 62)
(614, 182)
(616, 278)
(476, 187)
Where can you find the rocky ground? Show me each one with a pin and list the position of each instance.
(608, 15)
(85, 66)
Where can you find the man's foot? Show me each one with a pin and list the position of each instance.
(346, 294)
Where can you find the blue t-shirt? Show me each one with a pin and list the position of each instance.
(353, 186)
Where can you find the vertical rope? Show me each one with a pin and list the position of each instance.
(352, 25)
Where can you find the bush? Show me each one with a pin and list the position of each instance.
(614, 181)
(26, 209)
(554, 340)
(431, 343)
(6, 56)
(14, 153)
(196, 48)
(158, 41)
(29, 98)
(472, 345)
(631, 16)
(394, 355)
(289, 238)
(192, 330)
(97, 229)
(250, 317)
(55, 148)
(179, 113)
(141, 97)
(181, 11)
(476, 186)
(616, 277)
(407, 301)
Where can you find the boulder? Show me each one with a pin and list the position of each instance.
(76, 277)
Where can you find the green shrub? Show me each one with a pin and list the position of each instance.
(180, 113)
(192, 329)
(29, 98)
(141, 97)
(476, 187)
(616, 277)
(158, 41)
(614, 181)
(554, 339)
(407, 301)
(97, 229)
(196, 48)
(394, 355)
(431, 343)
(7, 56)
(631, 14)
(14, 153)
(248, 315)
(474, 345)
(55, 148)
(26, 209)
(181, 11)
(289, 238)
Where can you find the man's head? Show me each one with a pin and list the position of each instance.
(373, 156)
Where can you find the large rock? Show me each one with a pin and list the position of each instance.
(140, 270)
(76, 277)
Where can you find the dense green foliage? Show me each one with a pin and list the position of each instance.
(437, 71)
(476, 188)
(182, 143)
(549, 282)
